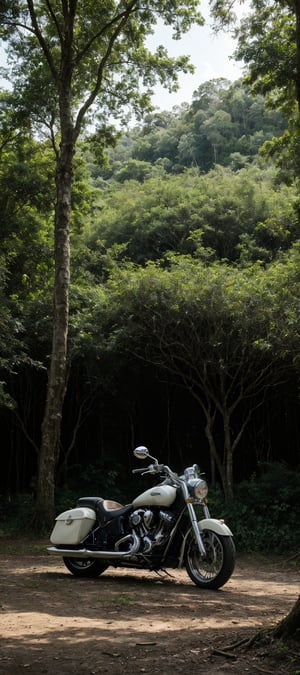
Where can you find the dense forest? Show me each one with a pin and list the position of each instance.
(183, 304)
(183, 311)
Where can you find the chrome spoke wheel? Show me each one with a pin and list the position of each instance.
(213, 570)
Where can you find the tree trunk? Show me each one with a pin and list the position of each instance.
(51, 426)
(289, 627)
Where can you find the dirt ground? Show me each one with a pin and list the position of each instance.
(138, 622)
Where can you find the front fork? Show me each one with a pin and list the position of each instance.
(194, 521)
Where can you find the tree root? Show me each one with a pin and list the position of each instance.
(246, 643)
(293, 557)
(222, 652)
(227, 650)
(263, 670)
(264, 638)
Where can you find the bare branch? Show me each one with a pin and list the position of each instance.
(83, 412)
(25, 432)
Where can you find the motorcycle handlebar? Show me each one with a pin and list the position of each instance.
(139, 470)
(153, 468)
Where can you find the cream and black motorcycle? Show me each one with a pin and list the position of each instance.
(160, 529)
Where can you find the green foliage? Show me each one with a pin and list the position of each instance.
(107, 56)
(223, 122)
(234, 215)
(194, 274)
(12, 342)
(65, 62)
(212, 290)
(225, 334)
(268, 40)
(267, 43)
(16, 514)
(265, 513)
(103, 478)
(26, 202)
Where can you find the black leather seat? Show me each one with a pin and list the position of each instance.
(105, 509)
(90, 502)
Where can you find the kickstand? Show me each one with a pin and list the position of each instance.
(158, 572)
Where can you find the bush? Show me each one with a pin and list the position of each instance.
(265, 513)
(16, 514)
(100, 479)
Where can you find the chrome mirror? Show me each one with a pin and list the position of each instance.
(141, 452)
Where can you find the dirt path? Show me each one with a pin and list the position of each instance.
(136, 622)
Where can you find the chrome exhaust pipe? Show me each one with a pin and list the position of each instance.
(106, 555)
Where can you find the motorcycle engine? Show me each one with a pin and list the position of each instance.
(152, 526)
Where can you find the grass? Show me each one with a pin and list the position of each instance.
(22, 545)
(123, 599)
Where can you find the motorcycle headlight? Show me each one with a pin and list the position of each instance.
(198, 488)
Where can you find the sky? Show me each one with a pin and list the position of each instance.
(210, 54)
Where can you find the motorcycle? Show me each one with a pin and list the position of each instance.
(160, 529)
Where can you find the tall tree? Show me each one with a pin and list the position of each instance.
(69, 59)
(269, 44)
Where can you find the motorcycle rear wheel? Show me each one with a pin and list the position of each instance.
(216, 568)
(85, 567)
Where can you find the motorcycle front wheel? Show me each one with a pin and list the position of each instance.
(216, 568)
(85, 567)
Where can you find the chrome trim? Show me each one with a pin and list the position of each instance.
(106, 555)
(194, 521)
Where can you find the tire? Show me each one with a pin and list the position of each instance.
(213, 571)
(85, 567)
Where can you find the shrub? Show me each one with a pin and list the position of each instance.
(265, 513)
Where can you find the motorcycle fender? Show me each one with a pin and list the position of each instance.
(215, 525)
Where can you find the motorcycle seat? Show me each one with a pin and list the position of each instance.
(110, 504)
(91, 502)
(106, 509)
(110, 509)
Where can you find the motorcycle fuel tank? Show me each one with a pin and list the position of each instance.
(162, 495)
